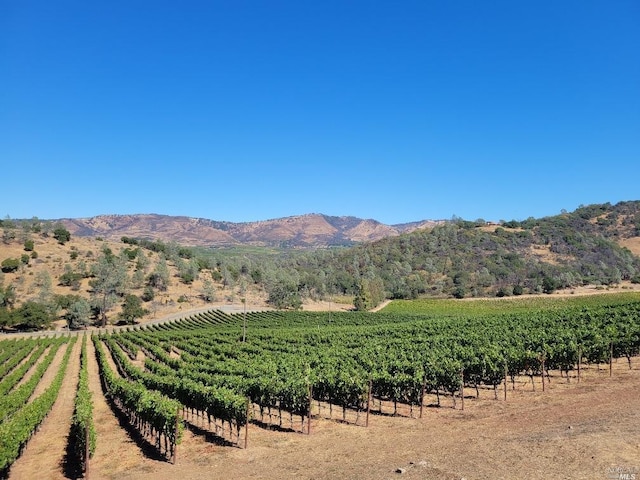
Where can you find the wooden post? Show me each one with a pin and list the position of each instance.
(542, 375)
(579, 362)
(175, 443)
(506, 374)
(462, 387)
(424, 387)
(246, 425)
(309, 413)
(369, 402)
(86, 452)
(611, 359)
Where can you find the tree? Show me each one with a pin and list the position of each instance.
(370, 294)
(132, 309)
(32, 316)
(108, 283)
(43, 281)
(208, 291)
(159, 278)
(61, 234)
(78, 314)
(7, 296)
(283, 295)
(549, 284)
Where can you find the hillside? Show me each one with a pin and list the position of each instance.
(55, 272)
(302, 231)
(594, 247)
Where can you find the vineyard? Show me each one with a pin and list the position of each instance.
(219, 376)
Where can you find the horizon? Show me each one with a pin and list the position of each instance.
(254, 111)
(489, 220)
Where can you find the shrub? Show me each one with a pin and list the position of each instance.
(10, 265)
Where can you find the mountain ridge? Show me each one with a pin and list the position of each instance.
(311, 230)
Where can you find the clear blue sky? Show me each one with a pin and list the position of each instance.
(251, 110)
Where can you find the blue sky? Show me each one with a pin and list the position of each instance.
(251, 110)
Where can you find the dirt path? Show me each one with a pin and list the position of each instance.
(117, 452)
(45, 453)
(31, 369)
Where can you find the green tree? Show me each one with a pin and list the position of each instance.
(32, 316)
(109, 282)
(61, 234)
(132, 309)
(7, 296)
(283, 295)
(43, 282)
(159, 278)
(549, 284)
(78, 314)
(208, 291)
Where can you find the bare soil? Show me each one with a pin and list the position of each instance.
(45, 454)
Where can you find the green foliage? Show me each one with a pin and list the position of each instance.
(28, 245)
(148, 294)
(150, 407)
(70, 278)
(78, 314)
(549, 285)
(17, 430)
(370, 294)
(284, 295)
(32, 316)
(10, 265)
(108, 284)
(405, 346)
(82, 420)
(132, 309)
(61, 234)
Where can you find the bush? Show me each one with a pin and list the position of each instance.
(62, 235)
(28, 245)
(10, 265)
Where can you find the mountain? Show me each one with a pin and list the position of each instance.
(301, 231)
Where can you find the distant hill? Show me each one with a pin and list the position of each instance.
(597, 245)
(302, 231)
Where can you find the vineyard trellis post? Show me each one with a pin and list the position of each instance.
(462, 387)
(542, 373)
(246, 425)
(579, 362)
(369, 402)
(175, 440)
(309, 411)
(86, 451)
(610, 359)
(506, 373)
(424, 388)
